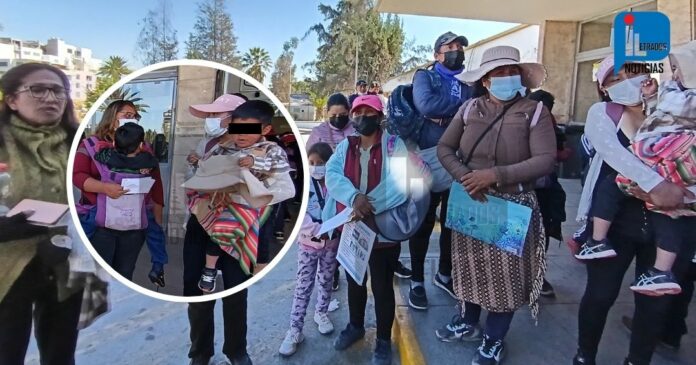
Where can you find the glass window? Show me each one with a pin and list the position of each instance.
(77, 77)
(89, 78)
(585, 91)
(596, 34)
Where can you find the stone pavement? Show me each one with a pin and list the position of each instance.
(142, 330)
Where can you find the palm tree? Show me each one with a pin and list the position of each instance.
(126, 94)
(256, 63)
(114, 68)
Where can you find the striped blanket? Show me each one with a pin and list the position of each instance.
(233, 226)
(673, 156)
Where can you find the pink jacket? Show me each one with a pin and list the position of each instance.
(326, 133)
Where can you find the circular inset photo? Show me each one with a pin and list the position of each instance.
(187, 180)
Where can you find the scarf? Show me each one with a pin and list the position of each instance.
(450, 77)
(119, 162)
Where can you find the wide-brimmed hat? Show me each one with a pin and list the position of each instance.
(533, 74)
(684, 57)
(225, 103)
(373, 101)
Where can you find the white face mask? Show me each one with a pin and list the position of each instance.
(121, 122)
(627, 92)
(213, 128)
(317, 172)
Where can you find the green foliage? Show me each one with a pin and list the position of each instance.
(109, 73)
(157, 41)
(213, 37)
(256, 62)
(284, 71)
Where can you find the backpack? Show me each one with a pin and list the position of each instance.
(125, 213)
(403, 118)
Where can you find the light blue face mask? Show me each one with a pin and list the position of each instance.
(507, 87)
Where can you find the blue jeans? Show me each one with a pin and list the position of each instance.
(154, 234)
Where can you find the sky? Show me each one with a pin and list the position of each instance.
(110, 29)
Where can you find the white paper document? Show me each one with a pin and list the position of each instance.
(354, 249)
(138, 186)
(335, 222)
(693, 190)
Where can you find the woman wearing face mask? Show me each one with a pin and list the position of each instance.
(87, 179)
(361, 174)
(498, 145)
(337, 127)
(610, 126)
(37, 278)
(316, 257)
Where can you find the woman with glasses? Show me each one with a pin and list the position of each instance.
(123, 250)
(37, 126)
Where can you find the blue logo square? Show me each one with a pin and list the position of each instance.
(640, 36)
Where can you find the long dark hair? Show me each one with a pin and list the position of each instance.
(322, 149)
(14, 78)
(103, 130)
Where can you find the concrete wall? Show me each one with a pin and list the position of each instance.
(557, 47)
(682, 19)
(195, 85)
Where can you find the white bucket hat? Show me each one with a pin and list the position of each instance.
(533, 74)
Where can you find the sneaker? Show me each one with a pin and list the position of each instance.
(547, 290)
(491, 352)
(458, 330)
(280, 235)
(596, 250)
(348, 336)
(656, 282)
(383, 353)
(402, 271)
(242, 359)
(581, 359)
(577, 240)
(337, 277)
(156, 275)
(417, 298)
(324, 323)
(447, 287)
(292, 339)
(200, 360)
(207, 281)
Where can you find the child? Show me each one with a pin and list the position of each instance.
(316, 257)
(666, 142)
(250, 122)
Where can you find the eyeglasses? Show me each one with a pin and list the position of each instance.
(41, 92)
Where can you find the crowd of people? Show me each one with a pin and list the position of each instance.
(482, 135)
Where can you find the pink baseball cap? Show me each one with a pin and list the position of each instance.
(225, 103)
(373, 101)
(604, 69)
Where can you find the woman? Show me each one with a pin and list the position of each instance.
(361, 175)
(610, 133)
(336, 128)
(37, 126)
(119, 250)
(517, 146)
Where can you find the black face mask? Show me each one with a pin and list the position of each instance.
(339, 122)
(454, 60)
(366, 125)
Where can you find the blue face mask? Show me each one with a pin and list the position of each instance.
(507, 87)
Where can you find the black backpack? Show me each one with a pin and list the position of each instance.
(403, 119)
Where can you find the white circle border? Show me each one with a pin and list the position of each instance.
(289, 241)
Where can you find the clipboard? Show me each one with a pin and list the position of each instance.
(45, 213)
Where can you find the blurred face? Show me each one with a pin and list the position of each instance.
(503, 71)
(452, 46)
(364, 111)
(126, 112)
(362, 88)
(337, 111)
(315, 160)
(612, 79)
(225, 118)
(41, 99)
(248, 140)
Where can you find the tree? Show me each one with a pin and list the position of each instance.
(108, 74)
(213, 38)
(348, 25)
(284, 71)
(126, 94)
(414, 56)
(319, 102)
(157, 40)
(256, 62)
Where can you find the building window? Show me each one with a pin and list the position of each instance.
(89, 86)
(89, 78)
(4, 63)
(77, 86)
(77, 77)
(77, 94)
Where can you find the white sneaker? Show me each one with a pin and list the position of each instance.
(289, 345)
(324, 323)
